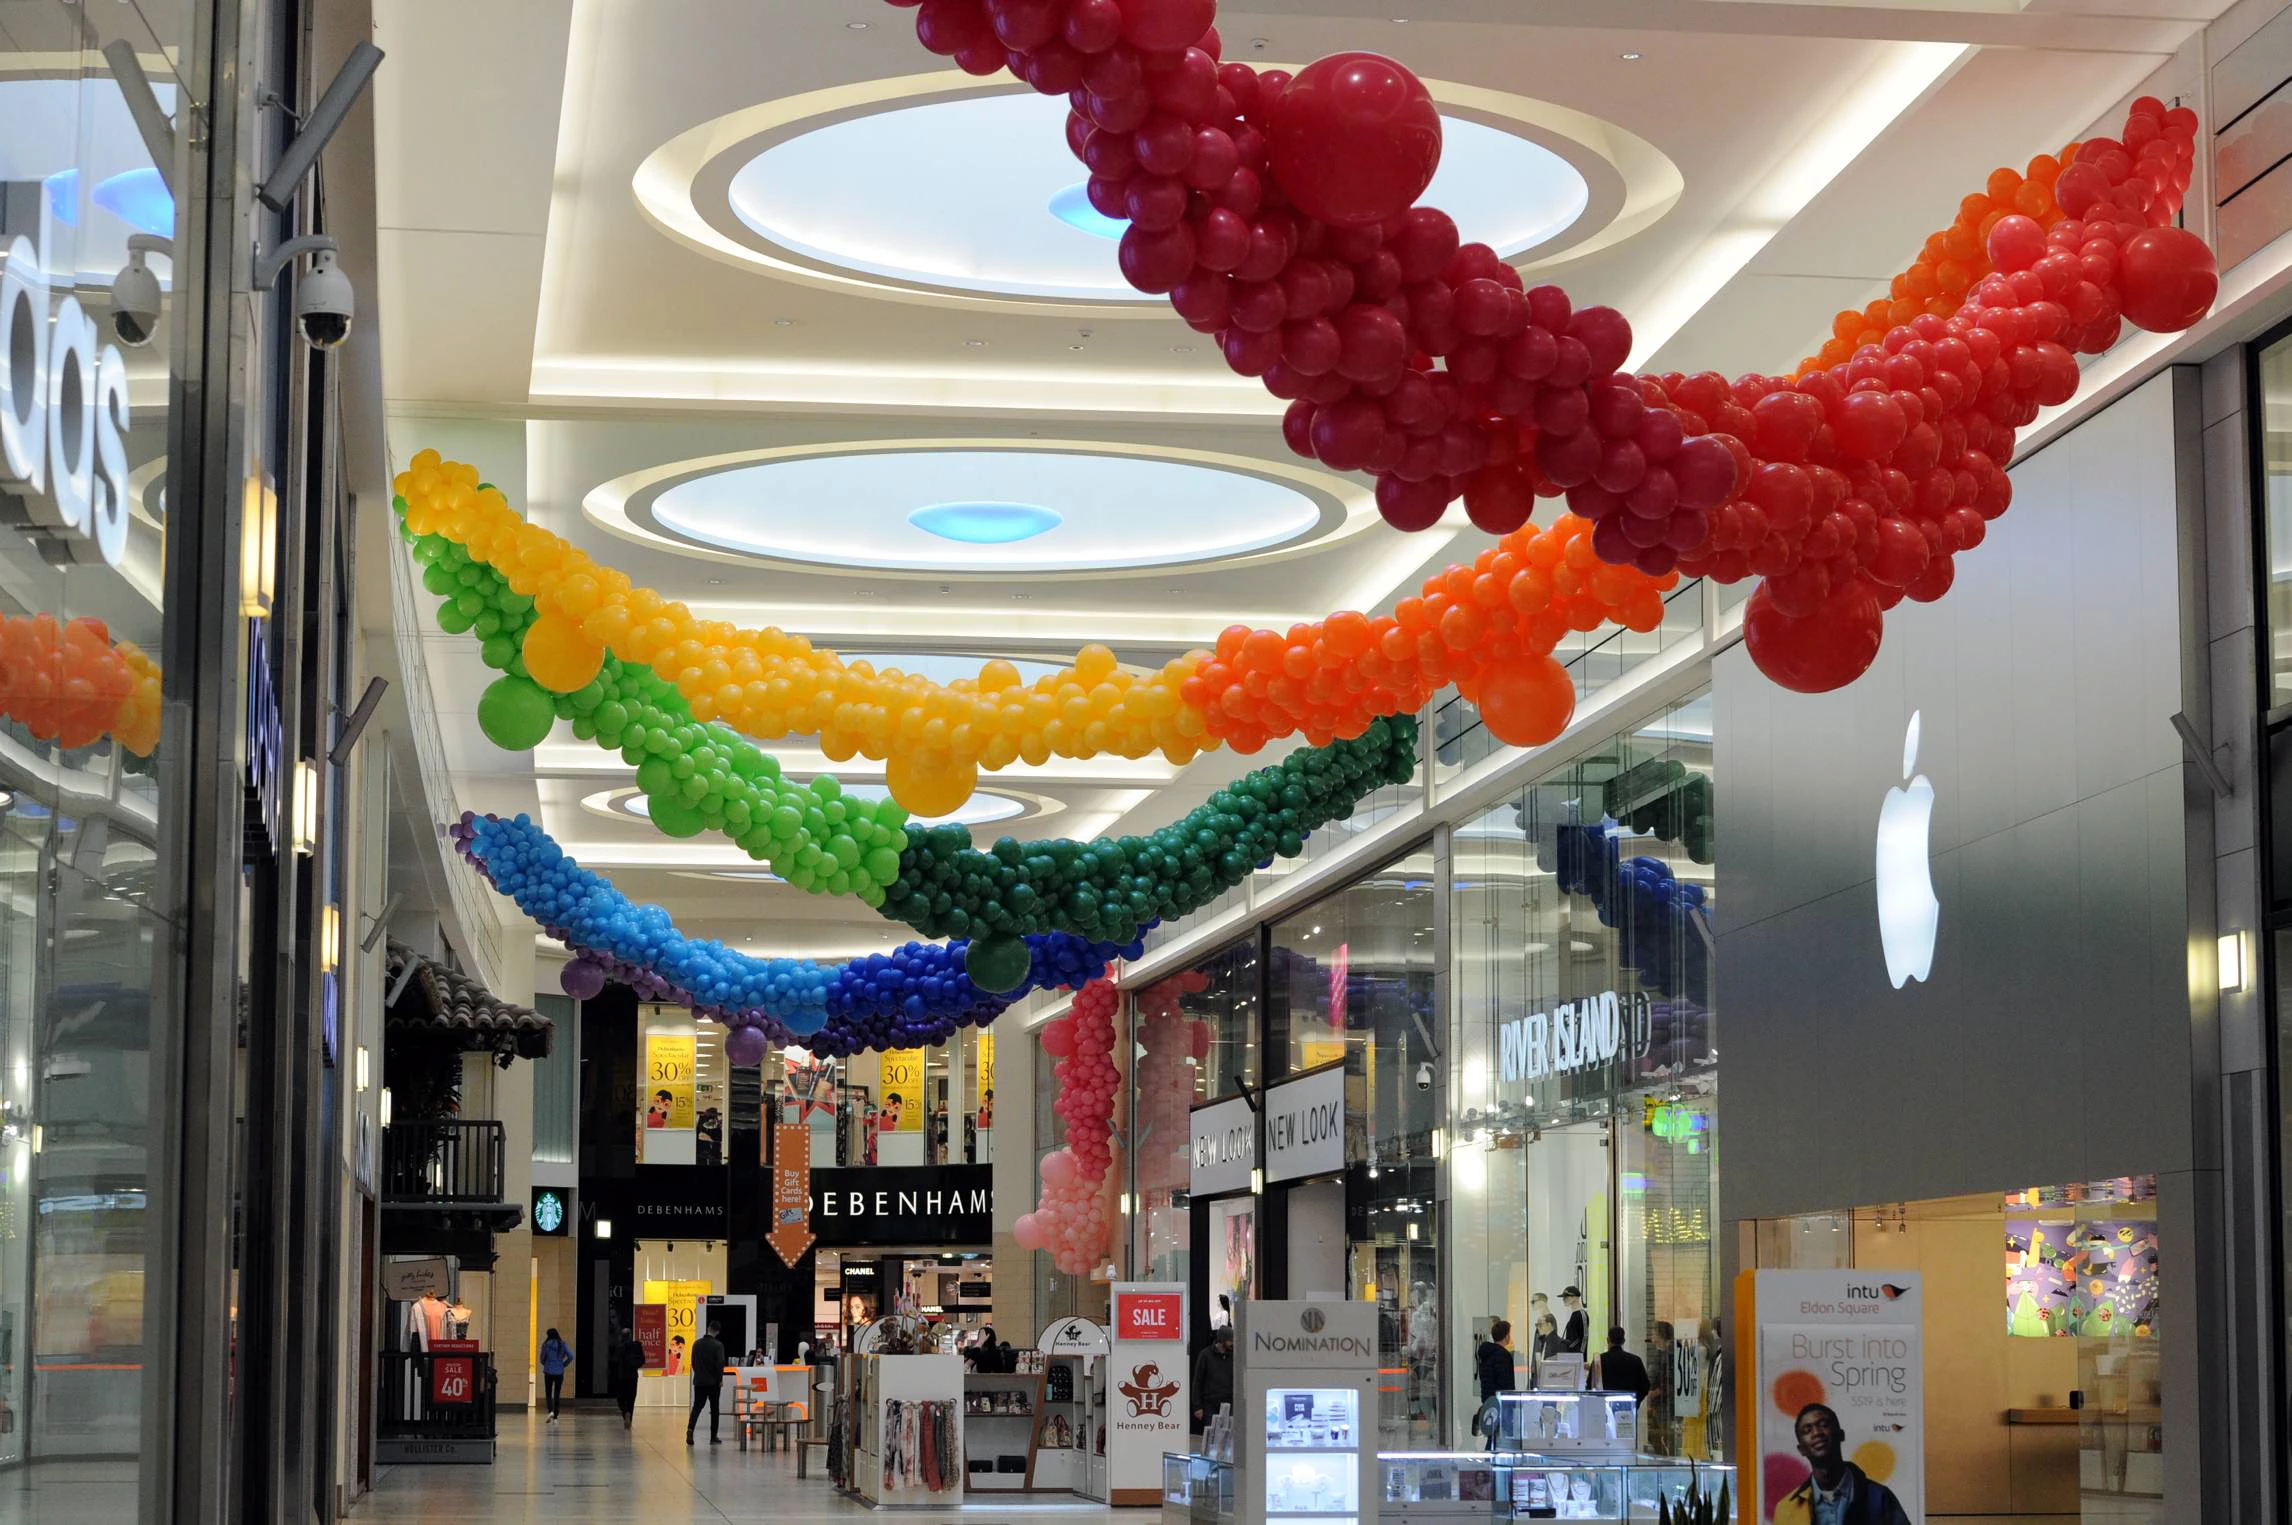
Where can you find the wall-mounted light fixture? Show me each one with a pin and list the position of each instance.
(258, 548)
(364, 1068)
(385, 1106)
(2232, 963)
(330, 937)
(305, 806)
(604, 1229)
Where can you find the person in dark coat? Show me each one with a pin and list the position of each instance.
(1499, 1372)
(626, 1363)
(1213, 1376)
(1622, 1372)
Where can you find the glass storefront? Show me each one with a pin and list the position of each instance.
(86, 935)
(1196, 1041)
(1583, 1072)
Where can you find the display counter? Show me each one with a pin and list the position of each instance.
(1584, 1487)
(1197, 1490)
(1002, 1415)
(909, 1446)
(1421, 1486)
(1601, 1423)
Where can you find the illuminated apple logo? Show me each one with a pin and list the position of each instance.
(1908, 913)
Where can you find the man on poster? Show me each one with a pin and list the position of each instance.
(1839, 1492)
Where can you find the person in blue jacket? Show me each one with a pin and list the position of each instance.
(556, 1355)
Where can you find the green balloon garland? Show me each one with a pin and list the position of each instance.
(1112, 888)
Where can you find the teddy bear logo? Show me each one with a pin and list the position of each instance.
(1148, 1393)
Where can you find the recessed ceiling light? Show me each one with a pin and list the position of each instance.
(985, 523)
(716, 582)
(783, 322)
(974, 344)
(1078, 348)
(855, 26)
(1629, 58)
(1181, 349)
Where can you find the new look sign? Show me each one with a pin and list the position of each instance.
(1224, 1147)
(1305, 1125)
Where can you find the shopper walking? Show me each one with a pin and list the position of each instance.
(1213, 1376)
(1499, 1372)
(556, 1355)
(626, 1365)
(707, 1382)
(1620, 1371)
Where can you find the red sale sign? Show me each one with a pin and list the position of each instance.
(453, 1371)
(1150, 1316)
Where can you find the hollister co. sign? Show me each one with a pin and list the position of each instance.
(901, 1205)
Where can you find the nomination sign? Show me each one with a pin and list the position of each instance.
(904, 1205)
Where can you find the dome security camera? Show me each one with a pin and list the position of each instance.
(135, 294)
(324, 303)
(1425, 1076)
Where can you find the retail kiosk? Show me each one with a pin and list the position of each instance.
(1305, 1384)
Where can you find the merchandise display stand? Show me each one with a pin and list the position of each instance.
(1002, 1420)
(1305, 1385)
(1425, 1487)
(1574, 1456)
(897, 1399)
(1074, 1352)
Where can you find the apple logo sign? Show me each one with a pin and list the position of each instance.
(1908, 913)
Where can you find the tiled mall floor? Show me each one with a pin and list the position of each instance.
(585, 1470)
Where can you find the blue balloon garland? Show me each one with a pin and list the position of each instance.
(1662, 922)
(916, 995)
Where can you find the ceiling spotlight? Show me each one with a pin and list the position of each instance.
(1629, 58)
(1078, 348)
(783, 322)
(855, 26)
(974, 344)
(1181, 349)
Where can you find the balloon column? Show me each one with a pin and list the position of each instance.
(911, 997)
(1278, 214)
(68, 682)
(1170, 1043)
(1074, 1220)
(1662, 922)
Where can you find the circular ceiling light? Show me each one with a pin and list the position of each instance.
(977, 510)
(986, 523)
(978, 193)
(946, 666)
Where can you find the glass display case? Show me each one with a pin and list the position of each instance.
(1436, 1485)
(1312, 1454)
(1554, 1422)
(1196, 1490)
(1575, 1487)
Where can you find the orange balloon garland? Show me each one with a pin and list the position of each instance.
(68, 682)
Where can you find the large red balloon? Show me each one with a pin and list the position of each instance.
(1526, 703)
(2168, 277)
(1164, 26)
(1818, 652)
(1354, 139)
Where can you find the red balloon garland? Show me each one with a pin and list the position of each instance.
(1277, 215)
(1074, 1218)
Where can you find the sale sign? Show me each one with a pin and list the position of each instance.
(1150, 1316)
(453, 1371)
(903, 1090)
(669, 1062)
(651, 1327)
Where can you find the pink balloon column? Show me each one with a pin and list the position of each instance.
(1074, 1219)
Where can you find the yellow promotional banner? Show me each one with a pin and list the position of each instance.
(682, 1299)
(986, 1060)
(902, 1090)
(668, 1081)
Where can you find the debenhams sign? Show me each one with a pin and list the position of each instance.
(904, 1205)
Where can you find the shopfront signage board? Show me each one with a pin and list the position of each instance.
(1305, 1125)
(1147, 1401)
(408, 1281)
(681, 1202)
(63, 408)
(651, 1325)
(1305, 1391)
(1574, 1036)
(1225, 1147)
(453, 1371)
(1839, 1384)
(936, 1205)
(552, 1212)
(791, 1232)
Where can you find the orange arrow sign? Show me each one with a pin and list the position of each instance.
(791, 1232)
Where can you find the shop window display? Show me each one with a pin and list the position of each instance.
(1584, 1169)
(1197, 1041)
(83, 1025)
(1351, 979)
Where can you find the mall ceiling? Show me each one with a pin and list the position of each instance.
(725, 291)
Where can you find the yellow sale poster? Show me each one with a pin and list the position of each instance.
(682, 1299)
(902, 1090)
(668, 1081)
